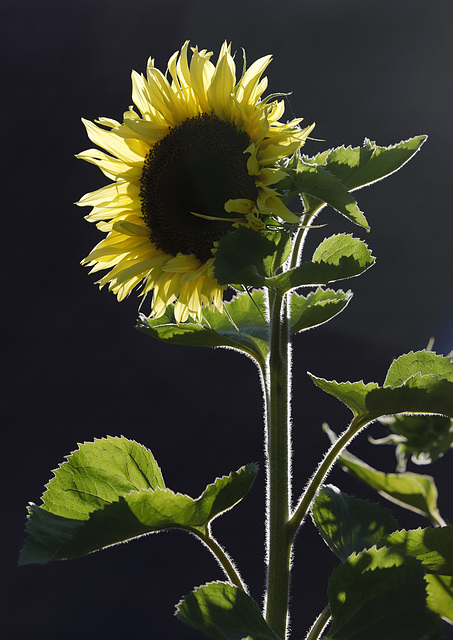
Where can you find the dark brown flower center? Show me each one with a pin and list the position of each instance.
(197, 167)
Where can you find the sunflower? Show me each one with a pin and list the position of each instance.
(196, 157)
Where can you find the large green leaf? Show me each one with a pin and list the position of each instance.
(357, 167)
(242, 327)
(420, 382)
(379, 594)
(433, 547)
(111, 490)
(224, 612)
(338, 257)
(318, 307)
(348, 524)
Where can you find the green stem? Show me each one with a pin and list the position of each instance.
(323, 469)
(223, 559)
(320, 624)
(277, 387)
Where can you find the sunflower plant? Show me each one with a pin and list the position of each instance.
(196, 216)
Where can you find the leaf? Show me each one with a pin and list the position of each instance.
(164, 509)
(380, 594)
(423, 439)
(336, 258)
(348, 524)
(414, 384)
(246, 257)
(242, 327)
(432, 547)
(224, 612)
(318, 307)
(320, 187)
(440, 595)
(110, 491)
(360, 166)
(98, 473)
(409, 490)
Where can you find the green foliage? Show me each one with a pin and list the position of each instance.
(433, 547)
(247, 257)
(338, 257)
(243, 327)
(110, 491)
(440, 595)
(318, 307)
(347, 169)
(423, 439)
(224, 612)
(409, 490)
(380, 593)
(420, 382)
(348, 524)
(319, 187)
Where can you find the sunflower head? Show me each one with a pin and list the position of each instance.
(196, 156)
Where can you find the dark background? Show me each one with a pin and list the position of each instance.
(75, 367)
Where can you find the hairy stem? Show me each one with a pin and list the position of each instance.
(323, 469)
(320, 624)
(223, 559)
(277, 382)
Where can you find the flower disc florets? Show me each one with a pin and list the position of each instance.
(199, 157)
(190, 173)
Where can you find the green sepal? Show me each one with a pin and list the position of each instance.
(412, 491)
(224, 612)
(319, 187)
(242, 327)
(381, 593)
(318, 307)
(338, 257)
(247, 257)
(348, 524)
(111, 490)
(420, 382)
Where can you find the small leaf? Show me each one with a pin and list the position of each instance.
(319, 187)
(360, 166)
(336, 258)
(318, 307)
(409, 490)
(110, 491)
(440, 595)
(433, 547)
(242, 327)
(423, 439)
(414, 384)
(348, 524)
(224, 612)
(379, 594)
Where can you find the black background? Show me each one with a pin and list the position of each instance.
(75, 368)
